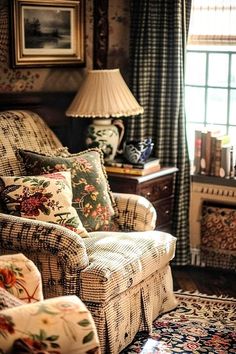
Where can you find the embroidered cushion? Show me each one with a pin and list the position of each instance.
(20, 278)
(46, 198)
(92, 198)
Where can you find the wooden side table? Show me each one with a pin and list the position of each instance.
(157, 187)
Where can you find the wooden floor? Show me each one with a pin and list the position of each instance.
(205, 280)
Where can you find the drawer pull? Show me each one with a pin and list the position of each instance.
(148, 194)
(165, 188)
(167, 212)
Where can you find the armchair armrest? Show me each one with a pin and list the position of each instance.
(62, 324)
(58, 253)
(135, 213)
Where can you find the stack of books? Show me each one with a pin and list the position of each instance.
(213, 154)
(119, 165)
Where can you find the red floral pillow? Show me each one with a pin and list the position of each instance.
(46, 198)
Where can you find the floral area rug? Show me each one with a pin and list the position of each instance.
(199, 324)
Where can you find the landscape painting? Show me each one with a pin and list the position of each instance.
(47, 33)
(47, 29)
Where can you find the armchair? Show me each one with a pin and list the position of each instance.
(122, 277)
(27, 325)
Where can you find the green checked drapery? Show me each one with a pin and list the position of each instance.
(157, 51)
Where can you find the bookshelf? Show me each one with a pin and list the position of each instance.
(213, 180)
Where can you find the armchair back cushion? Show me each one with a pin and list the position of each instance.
(23, 129)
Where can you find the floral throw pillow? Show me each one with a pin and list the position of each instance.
(21, 278)
(92, 198)
(46, 198)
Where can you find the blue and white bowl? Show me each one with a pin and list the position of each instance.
(138, 151)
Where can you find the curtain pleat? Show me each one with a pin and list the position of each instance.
(157, 53)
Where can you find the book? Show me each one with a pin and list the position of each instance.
(212, 154)
(208, 152)
(203, 153)
(217, 163)
(213, 149)
(225, 161)
(120, 162)
(232, 171)
(133, 171)
(197, 152)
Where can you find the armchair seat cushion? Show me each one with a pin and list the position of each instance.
(123, 263)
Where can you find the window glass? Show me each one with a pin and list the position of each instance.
(218, 69)
(196, 68)
(232, 116)
(233, 71)
(195, 103)
(232, 133)
(217, 106)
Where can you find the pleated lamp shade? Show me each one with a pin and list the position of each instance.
(104, 94)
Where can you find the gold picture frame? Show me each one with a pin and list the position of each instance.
(47, 33)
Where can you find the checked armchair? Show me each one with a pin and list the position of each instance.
(122, 275)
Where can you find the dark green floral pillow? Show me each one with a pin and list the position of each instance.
(92, 198)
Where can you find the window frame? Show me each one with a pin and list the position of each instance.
(207, 50)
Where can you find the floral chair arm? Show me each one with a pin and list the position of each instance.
(20, 277)
(58, 253)
(135, 213)
(60, 325)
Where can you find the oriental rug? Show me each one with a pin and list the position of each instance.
(199, 324)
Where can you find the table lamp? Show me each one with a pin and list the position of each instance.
(102, 96)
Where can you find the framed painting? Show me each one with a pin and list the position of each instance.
(47, 33)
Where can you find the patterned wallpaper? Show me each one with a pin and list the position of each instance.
(119, 21)
(65, 79)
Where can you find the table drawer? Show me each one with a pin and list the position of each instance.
(164, 211)
(158, 189)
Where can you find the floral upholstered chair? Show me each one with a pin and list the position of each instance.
(29, 324)
(58, 210)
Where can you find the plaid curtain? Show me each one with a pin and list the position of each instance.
(157, 54)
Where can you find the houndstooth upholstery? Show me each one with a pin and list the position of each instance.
(124, 278)
(109, 274)
(19, 129)
(135, 213)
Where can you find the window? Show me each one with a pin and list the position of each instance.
(210, 81)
